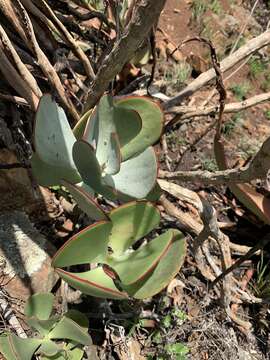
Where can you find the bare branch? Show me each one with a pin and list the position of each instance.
(249, 48)
(23, 70)
(144, 17)
(192, 111)
(70, 40)
(15, 80)
(257, 169)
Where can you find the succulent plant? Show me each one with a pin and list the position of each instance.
(121, 263)
(113, 157)
(71, 329)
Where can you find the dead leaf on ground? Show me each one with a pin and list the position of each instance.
(257, 203)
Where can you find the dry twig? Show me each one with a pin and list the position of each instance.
(144, 16)
(250, 47)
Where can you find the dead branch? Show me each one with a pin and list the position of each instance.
(249, 48)
(15, 80)
(260, 245)
(193, 111)
(23, 70)
(70, 40)
(15, 99)
(257, 169)
(8, 314)
(144, 17)
(16, 14)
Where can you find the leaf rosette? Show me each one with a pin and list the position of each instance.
(58, 337)
(121, 262)
(109, 150)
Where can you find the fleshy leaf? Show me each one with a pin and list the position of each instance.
(53, 136)
(114, 156)
(85, 202)
(90, 134)
(106, 144)
(70, 330)
(128, 125)
(42, 326)
(152, 122)
(39, 305)
(79, 128)
(132, 222)
(89, 169)
(74, 354)
(155, 193)
(163, 273)
(137, 175)
(132, 267)
(15, 348)
(49, 175)
(87, 164)
(89, 245)
(79, 318)
(94, 282)
(49, 348)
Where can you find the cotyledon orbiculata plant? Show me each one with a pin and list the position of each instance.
(109, 151)
(122, 262)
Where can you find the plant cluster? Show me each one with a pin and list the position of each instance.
(108, 150)
(58, 337)
(109, 153)
(123, 272)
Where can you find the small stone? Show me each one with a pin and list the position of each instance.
(25, 257)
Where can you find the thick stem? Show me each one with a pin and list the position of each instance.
(145, 16)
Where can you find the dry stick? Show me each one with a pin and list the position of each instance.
(15, 99)
(31, 7)
(187, 223)
(244, 27)
(15, 80)
(259, 246)
(210, 220)
(13, 166)
(144, 17)
(22, 69)
(222, 239)
(8, 10)
(84, 4)
(207, 213)
(257, 169)
(72, 42)
(192, 111)
(249, 48)
(8, 314)
(90, 15)
(43, 61)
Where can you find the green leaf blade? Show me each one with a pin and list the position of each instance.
(163, 273)
(53, 136)
(132, 222)
(15, 348)
(137, 176)
(152, 122)
(49, 175)
(85, 202)
(94, 282)
(39, 305)
(135, 266)
(89, 245)
(70, 330)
